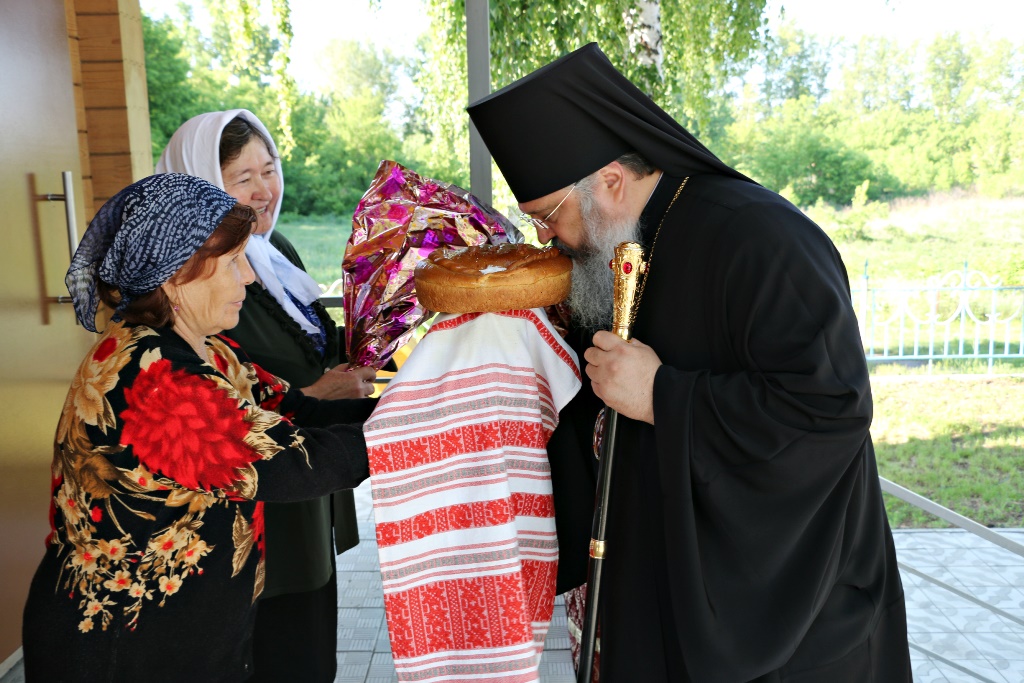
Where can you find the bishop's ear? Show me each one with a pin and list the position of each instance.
(612, 181)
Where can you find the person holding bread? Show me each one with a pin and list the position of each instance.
(747, 536)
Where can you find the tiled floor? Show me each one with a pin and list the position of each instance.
(948, 632)
(953, 640)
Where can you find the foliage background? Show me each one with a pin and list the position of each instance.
(812, 119)
(910, 156)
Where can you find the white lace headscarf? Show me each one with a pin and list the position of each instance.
(195, 149)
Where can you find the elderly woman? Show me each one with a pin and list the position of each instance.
(285, 330)
(169, 444)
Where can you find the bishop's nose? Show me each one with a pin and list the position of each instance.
(544, 235)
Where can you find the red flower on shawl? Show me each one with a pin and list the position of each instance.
(186, 428)
(229, 341)
(103, 351)
(222, 364)
(273, 390)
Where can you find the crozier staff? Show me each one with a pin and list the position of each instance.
(747, 539)
(169, 444)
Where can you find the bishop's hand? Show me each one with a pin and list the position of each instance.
(622, 374)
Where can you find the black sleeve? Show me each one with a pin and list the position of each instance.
(315, 462)
(759, 459)
(574, 476)
(312, 412)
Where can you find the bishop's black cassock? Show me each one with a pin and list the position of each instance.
(747, 539)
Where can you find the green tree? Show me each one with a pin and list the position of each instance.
(242, 45)
(344, 133)
(702, 43)
(172, 96)
(795, 64)
(998, 149)
(878, 75)
(331, 142)
(185, 76)
(247, 48)
(241, 61)
(798, 152)
(948, 77)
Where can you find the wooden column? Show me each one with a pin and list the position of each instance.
(86, 210)
(115, 99)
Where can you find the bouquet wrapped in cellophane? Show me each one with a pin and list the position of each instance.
(401, 218)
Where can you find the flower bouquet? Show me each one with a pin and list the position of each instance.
(400, 219)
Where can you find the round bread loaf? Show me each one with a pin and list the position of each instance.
(488, 278)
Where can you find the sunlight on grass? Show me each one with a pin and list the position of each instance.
(930, 236)
(956, 441)
(320, 243)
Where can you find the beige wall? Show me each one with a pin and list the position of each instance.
(47, 128)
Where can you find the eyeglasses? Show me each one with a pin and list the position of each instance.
(541, 223)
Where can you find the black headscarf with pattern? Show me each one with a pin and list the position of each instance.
(141, 236)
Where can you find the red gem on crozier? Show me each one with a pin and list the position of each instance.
(627, 267)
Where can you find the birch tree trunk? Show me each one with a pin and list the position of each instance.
(643, 27)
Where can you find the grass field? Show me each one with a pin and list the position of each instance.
(958, 440)
(912, 240)
(319, 241)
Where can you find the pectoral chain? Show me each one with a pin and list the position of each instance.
(650, 254)
(599, 424)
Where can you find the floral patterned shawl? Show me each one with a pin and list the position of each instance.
(161, 465)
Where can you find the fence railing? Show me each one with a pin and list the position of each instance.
(964, 314)
(331, 296)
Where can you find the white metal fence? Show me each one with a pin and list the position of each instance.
(964, 314)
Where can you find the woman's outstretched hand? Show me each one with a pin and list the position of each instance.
(342, 381)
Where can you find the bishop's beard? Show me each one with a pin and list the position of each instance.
(591, 298)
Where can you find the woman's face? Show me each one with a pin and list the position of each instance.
(252, 179)
(210, 305)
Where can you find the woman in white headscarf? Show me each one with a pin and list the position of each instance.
(286, 330)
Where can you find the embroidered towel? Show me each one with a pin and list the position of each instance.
(462, 496)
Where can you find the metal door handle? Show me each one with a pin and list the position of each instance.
(72, 223)
(69, 209)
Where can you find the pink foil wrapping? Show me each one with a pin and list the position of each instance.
(401, 218)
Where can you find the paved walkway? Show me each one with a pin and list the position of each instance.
(950, 635)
